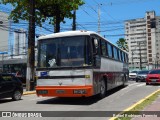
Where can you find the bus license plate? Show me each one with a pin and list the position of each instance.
(60, 91)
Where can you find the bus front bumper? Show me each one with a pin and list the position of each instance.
(64, 91)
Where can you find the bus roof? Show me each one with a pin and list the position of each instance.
(73, 33)
(67, 33)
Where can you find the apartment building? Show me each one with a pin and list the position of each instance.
(4, 32)
(143, 38)
(20, 43)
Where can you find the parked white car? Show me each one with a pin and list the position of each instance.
(132, 75)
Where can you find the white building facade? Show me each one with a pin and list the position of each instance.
(143, 38)
(4, 32)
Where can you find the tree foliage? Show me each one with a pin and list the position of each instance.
(122, 44)
(52, 10)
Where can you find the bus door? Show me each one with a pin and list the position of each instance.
(96, 52)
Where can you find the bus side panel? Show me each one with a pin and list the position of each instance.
(111, 71)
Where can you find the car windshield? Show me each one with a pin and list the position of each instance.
(8, 77)
(64, 52)
(143, 72)
(134, 71)
(155, 72)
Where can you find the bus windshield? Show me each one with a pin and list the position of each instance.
(64, 52)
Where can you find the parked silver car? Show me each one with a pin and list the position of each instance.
(142, 75)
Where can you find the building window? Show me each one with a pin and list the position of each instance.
(150, 55)
(149, 34)
(148, 17)
(149, 30)
(149, 38)
(149, 51)
(149, 42)
(150, 59)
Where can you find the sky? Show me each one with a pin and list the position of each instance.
(112, 15)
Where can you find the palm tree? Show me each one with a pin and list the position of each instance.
(122, 44)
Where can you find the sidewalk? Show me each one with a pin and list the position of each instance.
(153, 107)
(28, 92)
(150, 112)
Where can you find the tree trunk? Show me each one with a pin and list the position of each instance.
(31, 45)
(57, 21)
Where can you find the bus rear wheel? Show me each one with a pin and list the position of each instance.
(103, 89)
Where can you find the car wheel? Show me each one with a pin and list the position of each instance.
(17, 95)
(147, 83)
(103, 89)
(137, 81)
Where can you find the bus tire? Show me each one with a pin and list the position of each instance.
(124, 81)
(103, 89)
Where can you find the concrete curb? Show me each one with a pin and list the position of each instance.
(29, 92)
(134, 105)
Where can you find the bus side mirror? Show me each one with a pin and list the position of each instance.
(95, 47)
(96, 43)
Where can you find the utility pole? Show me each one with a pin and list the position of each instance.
(99, 18)
(140, 59)
(74, 20)
(132, 61)
(157, 60)
(31, 45)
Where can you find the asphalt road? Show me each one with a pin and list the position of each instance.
(116, 100)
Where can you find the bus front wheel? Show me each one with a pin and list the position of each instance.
(103, 89)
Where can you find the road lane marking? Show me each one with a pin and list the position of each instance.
(132, 84)
(141, 85)
(38, 98)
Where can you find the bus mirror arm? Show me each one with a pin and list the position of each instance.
(95, 53)
(94, 59)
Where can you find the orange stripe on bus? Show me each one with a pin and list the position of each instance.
(68, 91)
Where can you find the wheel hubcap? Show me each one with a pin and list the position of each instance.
(102, 88)
(17, 95)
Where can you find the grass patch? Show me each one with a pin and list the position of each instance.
(128, 115)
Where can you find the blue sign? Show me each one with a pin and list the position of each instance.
(44, 73)
(3, 52)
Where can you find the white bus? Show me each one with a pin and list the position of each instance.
(79, 64)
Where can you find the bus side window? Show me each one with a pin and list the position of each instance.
(106, 48)
(103, 48)
(110, 50)
(122, 56)
(118, 54)
(115, 53)
(127, 57)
